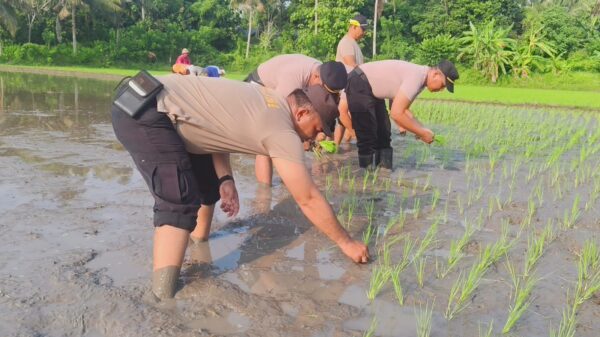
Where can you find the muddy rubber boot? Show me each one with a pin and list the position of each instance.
(387, 158)
(367, 161)
(164, 282)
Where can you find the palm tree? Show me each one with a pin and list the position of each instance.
(489, 48)
(33, 9)
(249, 8)
(8, 16)
(68, 8)
(378, 10)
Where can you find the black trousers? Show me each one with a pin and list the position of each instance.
(178, 181)
(370, 118)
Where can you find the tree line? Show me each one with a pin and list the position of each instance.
(495, 37)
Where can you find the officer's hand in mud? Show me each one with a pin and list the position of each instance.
(230, 202)
(426, 136)
(355, 250)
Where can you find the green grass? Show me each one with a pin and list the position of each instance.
(511, 96)
(557, 90)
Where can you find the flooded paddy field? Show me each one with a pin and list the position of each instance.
(499, 222)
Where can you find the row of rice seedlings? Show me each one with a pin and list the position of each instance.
(464, 287)
(424, 320)
(536, 247)
(523, 284)
(379, 277)
(457, 247)
(588, 283)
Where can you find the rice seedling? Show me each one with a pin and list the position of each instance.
(462, 290)
(370, 210)
(387, 184)
(491, 204)
(427, 240)
(328, 185)
(521, 300)
(488, 332)
(588, 275)
(567, 324)
(536, 246)
(375, 175)
(366, 179)
(351, 206)
(461, 208)
(419, 264)
(368, 234)
(417, 208)
(379, 277)
(352, 185)
(588, 283)
(456, 249)
(570, 218)
(397, 284)
(424, 319)
(427, 182)
(372, 328)
(399, 220)
(435, 197)
(391, 200)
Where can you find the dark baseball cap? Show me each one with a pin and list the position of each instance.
(334, 76)
(360, 21)
(449, 70)
(325, 105)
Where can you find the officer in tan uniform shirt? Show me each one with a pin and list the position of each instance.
(370, 84)
(349, 53)
(284, 74)
(200, 115)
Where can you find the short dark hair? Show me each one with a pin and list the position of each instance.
(301, 99)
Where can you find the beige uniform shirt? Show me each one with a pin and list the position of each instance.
(349, 47)
(217, 115)
(388, 77)
(286, 73)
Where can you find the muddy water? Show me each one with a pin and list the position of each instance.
(76, 232)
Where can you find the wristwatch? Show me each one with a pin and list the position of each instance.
(225, 178)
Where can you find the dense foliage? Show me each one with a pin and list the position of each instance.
(495, 37)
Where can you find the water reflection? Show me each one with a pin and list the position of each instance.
(42, 102)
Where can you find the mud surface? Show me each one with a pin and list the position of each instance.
(77, 240)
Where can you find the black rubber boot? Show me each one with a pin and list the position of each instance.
(387, 158)
(367, 161)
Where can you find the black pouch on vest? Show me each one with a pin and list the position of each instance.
(134, 94)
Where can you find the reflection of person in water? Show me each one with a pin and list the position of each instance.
(258, 121)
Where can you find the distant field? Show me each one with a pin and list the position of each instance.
(582, 99)
(467, 93)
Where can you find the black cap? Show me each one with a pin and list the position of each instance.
(333, 75)
(360, 20)
(325, 105)
(449, 70)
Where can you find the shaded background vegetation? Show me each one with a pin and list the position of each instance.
(494, 38)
